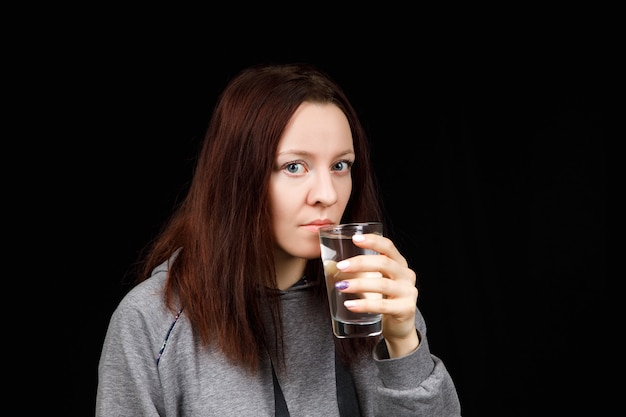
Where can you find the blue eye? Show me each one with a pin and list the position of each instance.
(294, 167)
(344, 165)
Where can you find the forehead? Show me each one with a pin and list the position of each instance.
(315, 125)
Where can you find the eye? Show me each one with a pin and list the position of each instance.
(294, 167)
(342, 166)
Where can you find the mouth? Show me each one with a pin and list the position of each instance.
(315, 225)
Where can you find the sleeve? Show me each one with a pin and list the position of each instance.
(415, 385)
(128, 383)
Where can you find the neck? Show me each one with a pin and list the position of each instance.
(288, 270)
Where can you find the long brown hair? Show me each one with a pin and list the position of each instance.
(222, 230)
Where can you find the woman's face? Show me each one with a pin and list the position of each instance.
(311, 180)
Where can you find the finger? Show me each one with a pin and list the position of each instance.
(399, 308)
(382, 264)
(380, 244)
(379, 288)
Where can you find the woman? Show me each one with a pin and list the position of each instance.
(230, 315)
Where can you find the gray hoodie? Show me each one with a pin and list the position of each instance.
(152, 365)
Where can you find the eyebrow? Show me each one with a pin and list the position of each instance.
(307, 153)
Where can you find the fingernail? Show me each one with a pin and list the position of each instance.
(341, 285)
(358, 238)
(343, 264)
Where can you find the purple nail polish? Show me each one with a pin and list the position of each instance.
(341, 285)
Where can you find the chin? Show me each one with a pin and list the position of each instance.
(309, 249)
(312, 254)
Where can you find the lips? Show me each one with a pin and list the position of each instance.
(320, 223)
(315, 225)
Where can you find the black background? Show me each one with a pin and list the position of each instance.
(491, 154)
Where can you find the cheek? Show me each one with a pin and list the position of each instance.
(281, 203)
(344, 190)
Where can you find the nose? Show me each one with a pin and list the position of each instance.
(323, 190)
